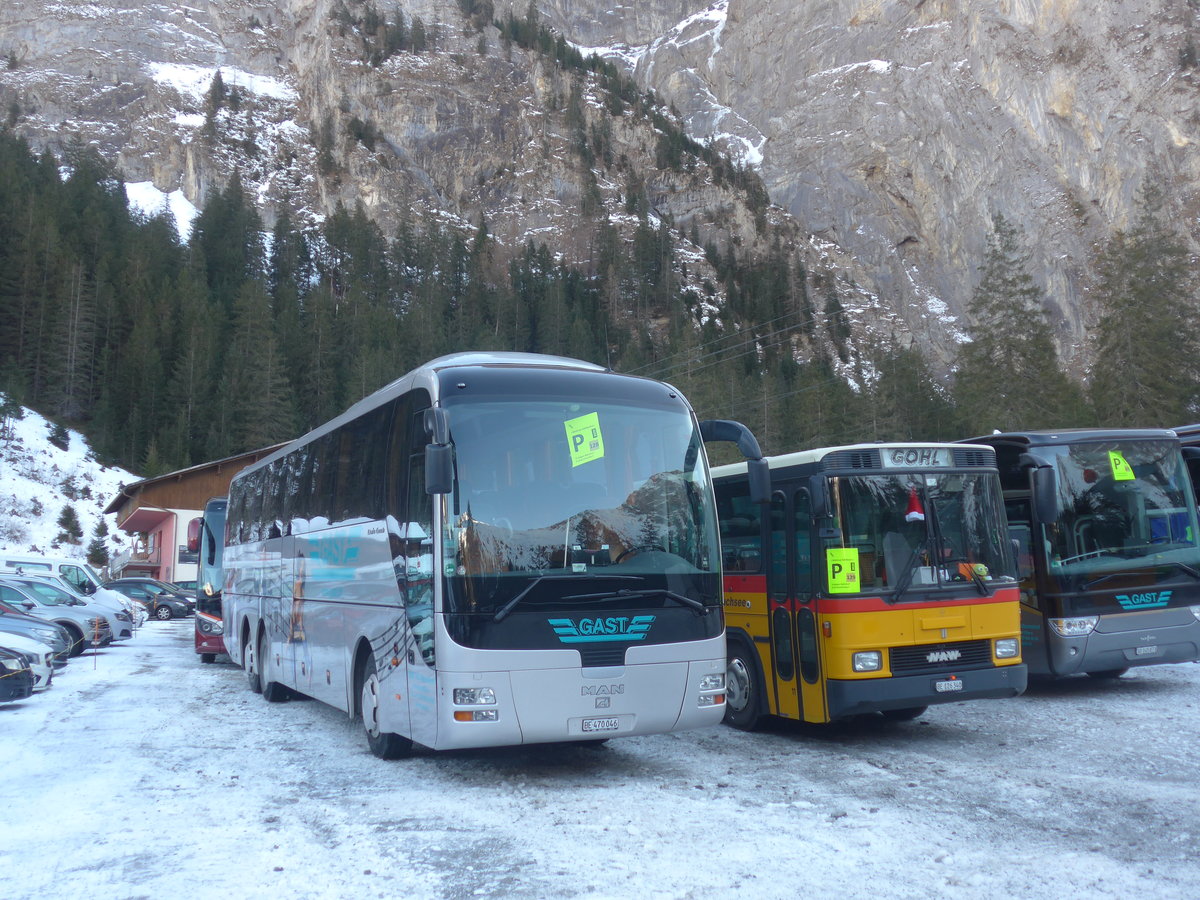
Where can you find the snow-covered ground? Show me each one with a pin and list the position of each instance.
(38, 479)
(143, 773)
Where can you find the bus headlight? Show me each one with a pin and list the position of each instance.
(1080, 626)
(867, 661)
(1007, 648)
(209, 624)
(712, 690)
(474, 697)
(475, 715)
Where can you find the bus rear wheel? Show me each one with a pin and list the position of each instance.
(253, 679)
(383, 744)
(743, 690)
(272, 691)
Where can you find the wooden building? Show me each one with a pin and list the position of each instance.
(155, 512)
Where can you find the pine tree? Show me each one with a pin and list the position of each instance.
(1147, 314)
(70, 531)
(1008, 375)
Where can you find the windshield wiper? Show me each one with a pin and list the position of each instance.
(503, 612)
(909, 570)
(624, 594)
(1186, 569)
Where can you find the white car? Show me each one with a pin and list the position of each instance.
(40, 656)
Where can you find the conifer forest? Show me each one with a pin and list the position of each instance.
(170, 353)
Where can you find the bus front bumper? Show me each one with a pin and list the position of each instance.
(850, 698)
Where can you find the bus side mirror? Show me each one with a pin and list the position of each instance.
(439, 468)
(193, 535)
(1044, 484)
(758, 474)
(818, 496)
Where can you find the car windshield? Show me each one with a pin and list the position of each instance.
(48, 594)
(1121, 504)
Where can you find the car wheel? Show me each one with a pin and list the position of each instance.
(743, 690)
(250, 664)
(382, 744)
(272, 691)
(163, 612)
(904, 715)
(78, 645)
(208, 658)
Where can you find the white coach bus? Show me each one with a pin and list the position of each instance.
(495, 549)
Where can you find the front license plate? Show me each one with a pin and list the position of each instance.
(945, 687)
(1146, 651)
(590, 725)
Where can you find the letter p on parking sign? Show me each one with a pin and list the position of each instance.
(584, 440)
(843, 572)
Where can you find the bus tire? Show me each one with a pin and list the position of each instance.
(903, 715)
(1105, 674)
(272, 691)
(250, 664)
(743, 688)
(382, 744)
(208, 658)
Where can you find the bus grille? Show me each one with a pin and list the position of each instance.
(595, 657)
(969, 456)
(852, 459)
(933, 658)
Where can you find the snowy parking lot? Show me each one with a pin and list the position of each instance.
(143, 773)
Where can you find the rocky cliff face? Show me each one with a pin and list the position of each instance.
(889, 131)
(897, 129)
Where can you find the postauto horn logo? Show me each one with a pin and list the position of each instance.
(612, 628)
(1151, 600)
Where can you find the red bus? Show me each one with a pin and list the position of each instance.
(206, 537)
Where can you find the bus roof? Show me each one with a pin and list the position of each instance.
(426, 375)
(1063, 435)
(801, 457)
(1189, 434)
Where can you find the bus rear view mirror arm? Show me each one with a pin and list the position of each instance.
(756, 467)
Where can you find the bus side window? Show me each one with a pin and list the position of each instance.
(777, 582)
(741, 528)
(802, 517)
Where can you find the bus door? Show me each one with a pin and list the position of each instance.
(799, 691)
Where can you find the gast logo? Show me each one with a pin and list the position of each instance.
(612, 628)
(943, 656)
(1152, 600)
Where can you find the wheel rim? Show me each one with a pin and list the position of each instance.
(163, 612)
(737, 684)
(370, 705)
(249, 659)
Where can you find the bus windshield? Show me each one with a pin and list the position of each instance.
(587, 489)
(923, 530)
(1121, 501)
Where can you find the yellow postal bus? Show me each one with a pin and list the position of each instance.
(879, 578)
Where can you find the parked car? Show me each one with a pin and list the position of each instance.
(159, 604)
(39, 656)
(111, 601)
(158, 588)
(45, 590)
(16, 679)
(87, 627)
(18, 622)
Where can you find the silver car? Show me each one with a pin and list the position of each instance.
(49, 633)
(120, 623)
(112, 604)
(88, 628)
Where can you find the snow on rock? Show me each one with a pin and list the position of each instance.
(148, 200)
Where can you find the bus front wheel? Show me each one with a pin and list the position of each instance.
(1107, 673)
(382, 744)
(904, 715)
(743, 692)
